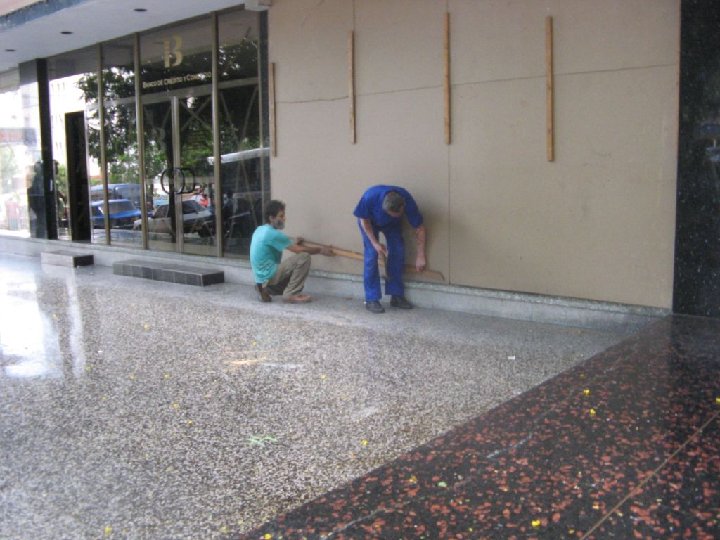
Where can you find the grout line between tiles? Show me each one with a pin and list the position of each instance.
(652, 475)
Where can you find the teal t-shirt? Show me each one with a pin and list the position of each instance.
(266, 250)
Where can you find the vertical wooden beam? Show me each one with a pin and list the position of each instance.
(550, 89)
(271, 111)
(351, 84)
(446, 82)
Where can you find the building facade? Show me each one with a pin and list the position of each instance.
(555, 147)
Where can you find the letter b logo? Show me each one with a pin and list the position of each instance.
(172, 51)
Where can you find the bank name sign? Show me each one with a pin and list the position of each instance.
(190, 78)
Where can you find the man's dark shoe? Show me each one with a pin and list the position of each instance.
(263, 293)
(374, 307)
(400, 302)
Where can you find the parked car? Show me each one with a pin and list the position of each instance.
(117, 191)
(122, 214)
(196, 219)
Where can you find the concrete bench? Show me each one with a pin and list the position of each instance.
(66, 258)
(168, 271)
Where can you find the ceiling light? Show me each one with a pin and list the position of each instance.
(66, 32)
(9, 50)
(140, 9)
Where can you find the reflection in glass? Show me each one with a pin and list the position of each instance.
(177, 119)
(244, 154)
(181, 194)
(121, 148)
(72, 82)
(96, 191)
(16, 161)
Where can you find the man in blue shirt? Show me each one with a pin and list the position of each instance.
(274, 276)
(380, 210)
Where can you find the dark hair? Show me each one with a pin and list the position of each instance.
(393, 202)
(272, 209)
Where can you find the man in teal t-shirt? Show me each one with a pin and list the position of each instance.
(272, 274)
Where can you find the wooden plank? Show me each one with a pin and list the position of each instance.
(446, 82)
(351, 85)
(409, 268)
(550, 89)
(273, 116)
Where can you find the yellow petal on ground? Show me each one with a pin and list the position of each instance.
(176, 406)
(146, 326)
(586, 392)
(717, 400)
(108, 530)
(364, 442)
(593, 412)
(267, 536)
(536, 523)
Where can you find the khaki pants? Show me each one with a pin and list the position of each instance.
(290, 276)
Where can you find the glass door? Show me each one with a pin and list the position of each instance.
(178, 142)
(176, 64)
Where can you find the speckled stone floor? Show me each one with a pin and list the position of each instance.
(624, 445)
(138, 409)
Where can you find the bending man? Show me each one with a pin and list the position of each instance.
(273, 277)
(380, 210)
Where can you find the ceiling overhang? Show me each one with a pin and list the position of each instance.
(43, 29)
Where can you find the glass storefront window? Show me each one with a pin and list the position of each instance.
(98, 191)
(72, 79)
(18, 144)
(121, 146)
(244, 154)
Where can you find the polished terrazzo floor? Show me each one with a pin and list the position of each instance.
(624, 445)
(138, 409)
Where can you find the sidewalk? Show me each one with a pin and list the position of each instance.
(140, 409)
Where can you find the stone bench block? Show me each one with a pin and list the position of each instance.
(168, 271)
(66, 258)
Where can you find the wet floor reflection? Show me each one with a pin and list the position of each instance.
(41, 331)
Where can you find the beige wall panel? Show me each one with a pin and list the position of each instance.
(399, 44)
(308, 43)
(598, 222)
(505, 39)
(400, 143)
(315, 175)
(497, 39)
(614, 34)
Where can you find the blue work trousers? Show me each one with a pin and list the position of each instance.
(394, 267)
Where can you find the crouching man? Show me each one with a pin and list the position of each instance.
(274, 275)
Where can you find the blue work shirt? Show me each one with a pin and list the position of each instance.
(266, 250)
(370, 207)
